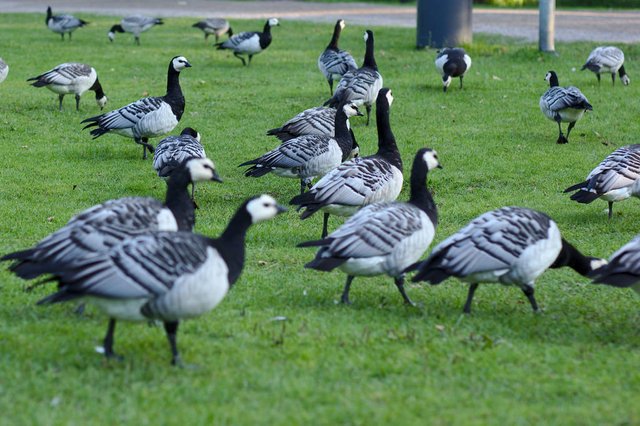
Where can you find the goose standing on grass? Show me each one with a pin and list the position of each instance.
(607, 59)
(623, 268)
(361, 181)
(563, 105)
(249, 43)
(362, 85)
(335, 62)
(509, 246)
(99, 228)
(71, 77)
(4, 70)
(62, 24)
(616, 178)
(166, 276)
(148, 117)
(451, 63)
(308, 156)
(216, 26)
(135, 25)
(383, 238)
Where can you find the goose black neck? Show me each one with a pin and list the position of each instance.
(233, 241)
(420, 194)
(173, 82)
(621, 71)
(333, 44)
(571, 257)
(97, 87)
(179, 201)
(342, 133)
(117, 29)
(369, 59)
(387, 146)
(49, 15)
(553, 80)
(267, 28)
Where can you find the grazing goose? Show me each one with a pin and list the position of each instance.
(383, 238)
(510, 246)
(335, 62)
(148, 117)
(249, 43)
(135, 25)
(607, 59)
(4, 70)
(71, 77)
(166, 276)
(623, 268)
(62, 24)
(361, 181)
(215, 26)
(616, 178)
(563, 104)
(98, 228)
(308, 156)
(452, 62)
(362, 85)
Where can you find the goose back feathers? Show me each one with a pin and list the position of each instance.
(452, 62)
(249, 43)
(134, 24)
(623, 268)
(215, 26)
(607, 59)
(335, 62)
(174, 151)
(63, 24)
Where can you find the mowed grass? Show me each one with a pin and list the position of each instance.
(376, 361)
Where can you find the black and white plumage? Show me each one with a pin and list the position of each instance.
(563, 105)
(509, 246)
(451, 63)
(616, 178)
(308, 156)
(362, 85)
(99, 228)
(361, 181)
(4, 70)
(134, 24)
(249, 43)
(215, 26)
(335, 62)
(71, 78)
(383, 238)
(607, 59)
(148, 117)
(62, 24)
(166, 276)
(623, 268)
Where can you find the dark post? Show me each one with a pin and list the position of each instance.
(444, 23)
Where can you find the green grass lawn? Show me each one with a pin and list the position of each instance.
(376, 361)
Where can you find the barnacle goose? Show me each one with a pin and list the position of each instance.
(99, 228)
(510, 246)
(383, 238)
(335, 62)
(623, 268)
(148, 117)
(215, 26)
(361, 181)
(362, 85)
(166, 276)
(563, 104)
(607, 59)
(249, 43)
(135, 25)
(616, 178)
(71, 77)
(4, 70)
(62, 24)
(308, 156)
(452, 62)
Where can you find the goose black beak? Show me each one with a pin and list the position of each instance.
(281, 209)
(216, 177)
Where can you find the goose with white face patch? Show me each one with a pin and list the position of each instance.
(563, 105)
(335, 62)
(134, 24)
(616, 178)
(383, 238)
(99, 228)
(452, 63)
(308, 156)
(607, 60)
(71, 78)
(362, 85)
(4, 70)
(165, 276)
(63, 24)
(249, 43)
(216, 26)
(148, 117)
(509, 246)
(361, 181)
(623, 268)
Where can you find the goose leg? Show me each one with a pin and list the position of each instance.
(146, 146)
(345, 293)
(77, 102)
(571, 125)
(137, 40)
(399, 281)
(325, 223)
(250, 56)
(561, 138)
(69, 35)
(610, 209)
(472, 290)
(108, 341)
(330, 81)
(528, 291)
(62, 35)
(461, 81)
(60, 98)
(613, 78)
(237, 55)
(368, 113)
(598, 75)
(171, 328)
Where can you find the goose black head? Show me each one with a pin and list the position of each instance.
(191, 132)
(263, 207)
(351, 109)
(430, 158)
(202, 169)
(552, 78)
(385, 98)
(273, 22)
(179, 63)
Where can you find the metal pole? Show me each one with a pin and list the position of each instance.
(547, 26)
